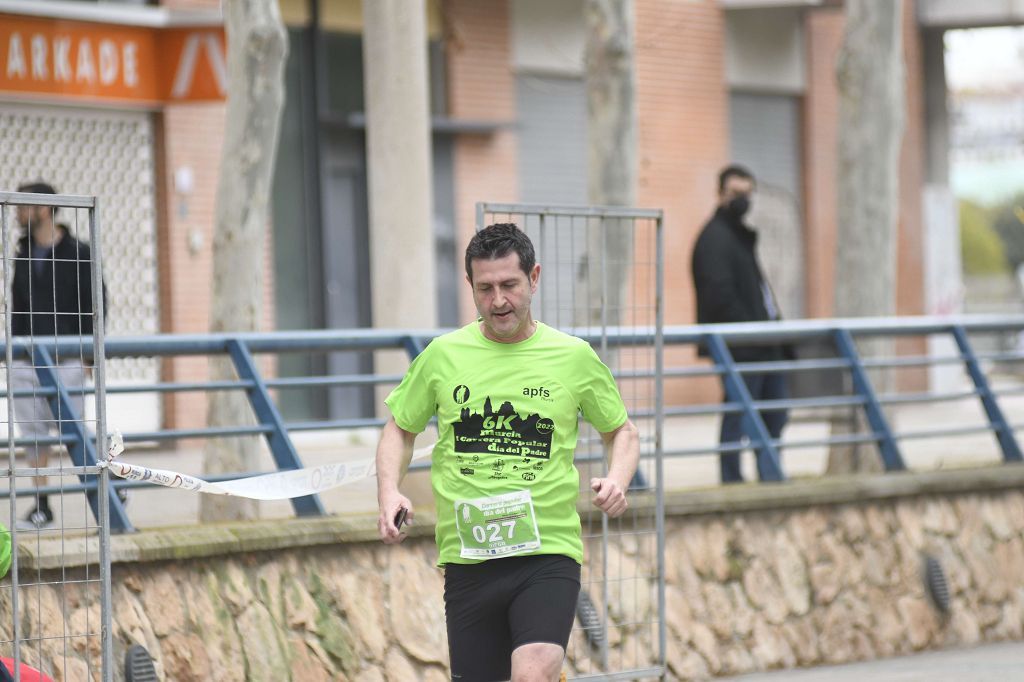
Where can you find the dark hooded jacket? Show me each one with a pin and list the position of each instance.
(729, 283)
(56, 300)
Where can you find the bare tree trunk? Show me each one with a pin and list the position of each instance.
(611, 153)
(871, 81)
(257, 48)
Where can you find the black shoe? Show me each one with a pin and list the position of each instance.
(38, 519)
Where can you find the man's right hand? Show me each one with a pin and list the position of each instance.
(389, 504)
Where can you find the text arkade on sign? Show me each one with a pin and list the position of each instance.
(59, 60)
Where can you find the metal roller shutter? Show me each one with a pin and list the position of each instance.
(765, 136)
(108, 154)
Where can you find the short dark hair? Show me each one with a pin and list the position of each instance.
(497, 241)
(37, 188)
(734, 171)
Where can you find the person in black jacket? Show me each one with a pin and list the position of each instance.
(731, 287)
(51, 295)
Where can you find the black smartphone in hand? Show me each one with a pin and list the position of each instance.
(400, 517)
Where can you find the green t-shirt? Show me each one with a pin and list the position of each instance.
(503, 474)
(5, 550)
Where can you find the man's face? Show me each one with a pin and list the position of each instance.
(31, 216)
(25, 215)
(502, 293)
(735, 186)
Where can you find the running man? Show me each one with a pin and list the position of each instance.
(507, 391)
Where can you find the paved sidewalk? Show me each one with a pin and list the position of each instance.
(990, 663)
(161, 507)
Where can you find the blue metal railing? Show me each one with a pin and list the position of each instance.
(719, 339)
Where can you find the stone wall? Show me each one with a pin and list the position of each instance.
(758, 577)
(765, 590)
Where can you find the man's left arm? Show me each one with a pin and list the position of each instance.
(623, 448)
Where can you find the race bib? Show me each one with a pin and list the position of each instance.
(498, 526)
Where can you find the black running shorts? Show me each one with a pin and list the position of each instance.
(496, 606)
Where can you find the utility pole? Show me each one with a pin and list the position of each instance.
(398, 158)
(402, 262)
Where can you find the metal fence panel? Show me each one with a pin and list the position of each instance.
(601, 274)
(58, 593)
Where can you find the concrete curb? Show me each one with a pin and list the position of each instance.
(847, 489)
(192, 542)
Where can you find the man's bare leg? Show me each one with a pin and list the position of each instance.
(42, 461)
(537, 662)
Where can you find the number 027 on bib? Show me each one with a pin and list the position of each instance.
(497, 526)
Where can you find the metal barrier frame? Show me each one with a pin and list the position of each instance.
(550, 220)
(100, 494)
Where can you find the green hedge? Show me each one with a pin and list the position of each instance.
(981, 248)
(1008, 221)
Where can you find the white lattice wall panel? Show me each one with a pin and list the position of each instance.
(108, 154)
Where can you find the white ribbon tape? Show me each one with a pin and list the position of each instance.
(282, 485)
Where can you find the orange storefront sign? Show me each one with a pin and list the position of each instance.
(84, 61)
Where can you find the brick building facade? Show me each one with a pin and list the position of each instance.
(696, 91)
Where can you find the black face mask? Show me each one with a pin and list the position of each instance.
(738, 207)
